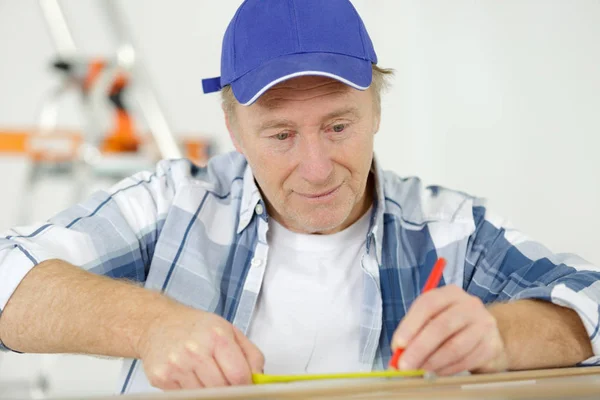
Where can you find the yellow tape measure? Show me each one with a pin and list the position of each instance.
(260, 379)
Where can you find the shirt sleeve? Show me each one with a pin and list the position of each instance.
(502, 265)
(113, 233)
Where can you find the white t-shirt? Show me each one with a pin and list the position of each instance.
(307, 317)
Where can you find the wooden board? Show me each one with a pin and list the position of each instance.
(567, 383)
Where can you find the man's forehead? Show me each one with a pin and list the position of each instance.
(302, 88)
(308, 81)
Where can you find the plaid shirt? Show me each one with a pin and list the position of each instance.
(200, 235)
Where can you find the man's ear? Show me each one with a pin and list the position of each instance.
(376, 124)
(232, 134)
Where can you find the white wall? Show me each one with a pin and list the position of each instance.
(497, 98)
(500, 99)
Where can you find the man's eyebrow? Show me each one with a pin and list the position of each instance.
(275, 123)
(343, 112)
(286, 123)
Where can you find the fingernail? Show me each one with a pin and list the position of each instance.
(399, 342)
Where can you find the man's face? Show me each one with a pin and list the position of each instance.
(309, 142)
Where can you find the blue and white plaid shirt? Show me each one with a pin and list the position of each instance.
(200, 235)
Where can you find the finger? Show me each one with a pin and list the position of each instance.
(187, 380)
(181, 371)
(425, 307)
(454, 349)
(254, 356)
(205, 367)
(170, 384)
(480, 354)
(231, 360)
(437, 331)
(211, 375)
(158, 377)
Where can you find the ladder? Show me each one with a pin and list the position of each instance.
(109, 146)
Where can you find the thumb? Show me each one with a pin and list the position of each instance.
(254, 356)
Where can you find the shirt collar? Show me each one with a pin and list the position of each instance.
(376, 227)
(252, 201)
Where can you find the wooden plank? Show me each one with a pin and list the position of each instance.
(548, 384)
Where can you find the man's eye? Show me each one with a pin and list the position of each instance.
(282, 136)
(339, 128)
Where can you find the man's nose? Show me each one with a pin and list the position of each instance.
(315, 165)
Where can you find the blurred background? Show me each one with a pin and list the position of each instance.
(496, 98)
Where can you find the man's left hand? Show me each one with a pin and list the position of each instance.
(447, 331)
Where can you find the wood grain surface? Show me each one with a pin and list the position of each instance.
(565, 383)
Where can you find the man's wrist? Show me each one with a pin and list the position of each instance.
(502, 314)
(158, 308)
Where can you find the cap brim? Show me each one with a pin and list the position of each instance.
(352, 71)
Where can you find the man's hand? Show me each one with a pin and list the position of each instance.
(447, 331)
(189, 349)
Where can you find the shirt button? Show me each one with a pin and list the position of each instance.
(259, 209)
(256, 262)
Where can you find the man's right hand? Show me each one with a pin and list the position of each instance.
(181, 347)
(188, 349)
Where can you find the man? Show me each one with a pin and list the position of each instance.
(297, 253)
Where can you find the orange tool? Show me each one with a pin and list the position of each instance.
(432, 282)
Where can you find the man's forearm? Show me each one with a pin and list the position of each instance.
(539, 334)
(59, 308)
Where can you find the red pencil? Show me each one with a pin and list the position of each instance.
(432, 282)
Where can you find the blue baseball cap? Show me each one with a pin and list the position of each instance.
(270, 41)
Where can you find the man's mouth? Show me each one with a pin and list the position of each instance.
(321, 195)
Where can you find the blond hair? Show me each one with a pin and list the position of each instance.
(380, 82)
